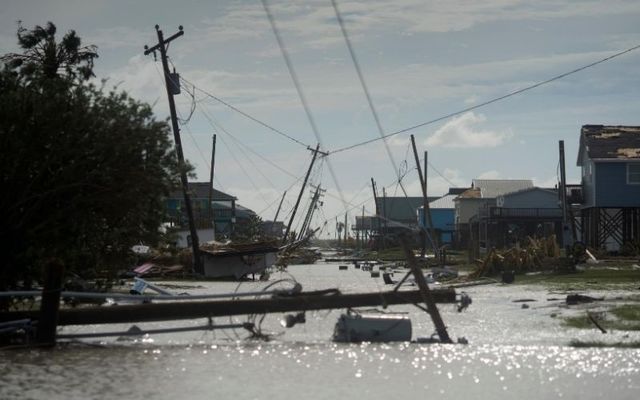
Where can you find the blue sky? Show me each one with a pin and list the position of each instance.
(421, 59)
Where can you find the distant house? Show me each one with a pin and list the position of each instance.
(531, 212)
(442, 215)
(224, 212)
(610, 160)
(482, 194)
(396, 215)
(273, 228)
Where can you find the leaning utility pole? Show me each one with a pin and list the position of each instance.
(173, 88)
(425, 291)
(213, 163)
(310, 212)
(304, 184)
(275, 219)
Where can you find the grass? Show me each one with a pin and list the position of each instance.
(591, 278)
(625, 318)
(622, 345)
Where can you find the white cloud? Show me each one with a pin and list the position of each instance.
(545, 183)
(493, 174)
(115, 37)
(463, 131)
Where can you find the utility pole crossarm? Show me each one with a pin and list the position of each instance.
(149, 50)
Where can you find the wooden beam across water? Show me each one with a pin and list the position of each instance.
(220, 308)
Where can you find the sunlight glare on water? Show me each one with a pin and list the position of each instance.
(513, 353)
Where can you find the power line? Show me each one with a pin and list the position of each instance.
(244, 171)
(216, 125)
(494, 100)
(254, 119)
(365, 88)
(303, 99)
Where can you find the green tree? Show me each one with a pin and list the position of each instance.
(249, 231)
(83, 170)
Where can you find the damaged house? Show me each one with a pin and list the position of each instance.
(610, 211)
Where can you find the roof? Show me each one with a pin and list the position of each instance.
(200, 190)
(457, 190)
(444, 202)
(492, 188)
(517, 192)
(609, 142)
(472, 193)
(400, 208)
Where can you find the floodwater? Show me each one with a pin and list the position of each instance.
(513, 352)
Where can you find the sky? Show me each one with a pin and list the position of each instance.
(420, 60)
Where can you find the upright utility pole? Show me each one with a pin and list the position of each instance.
(173, 88)
(375, 203)
(567, 239)
(213, 163)
(364, 231)
(384, 217)
(345, 229)
(425, 200)
(304, 184)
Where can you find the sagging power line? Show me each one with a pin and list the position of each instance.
(486, 103)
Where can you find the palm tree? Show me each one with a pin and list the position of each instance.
(44, 57)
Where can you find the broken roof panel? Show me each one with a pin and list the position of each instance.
(200, 190)
(492, 188)
(603, 142)
(444, 202)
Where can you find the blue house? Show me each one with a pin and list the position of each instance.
(610, 160)
(442, 215)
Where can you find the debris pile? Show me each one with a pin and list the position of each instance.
(538, 255)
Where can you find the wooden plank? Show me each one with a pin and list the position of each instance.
(203, 309)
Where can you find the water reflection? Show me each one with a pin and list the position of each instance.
(513, 353)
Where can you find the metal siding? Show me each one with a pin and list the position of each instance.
(611, 188)
(531, 199)
(443, 219)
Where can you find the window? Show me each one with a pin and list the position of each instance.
(633, 173)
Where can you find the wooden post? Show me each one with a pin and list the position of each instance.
(567, 239)
(345, 230)
(364, 231)
(427, 213)
(377, 219)
(441, 329)
(50, 305)
(213, 163)
(384, 217)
